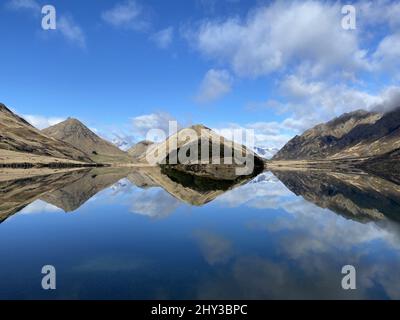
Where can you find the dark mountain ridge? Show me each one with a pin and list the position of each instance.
(357, 134)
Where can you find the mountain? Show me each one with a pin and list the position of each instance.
(121, 143)
(139, 149)
(357, 134)
(21, 141)
(326, 139)
(266, 153)
(194, 139)
(77, 134)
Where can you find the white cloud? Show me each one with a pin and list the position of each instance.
(338, 232)
(378, 12)
(154, 203)
(265, 195)
(274, 37)
(71, 31)
(215, 249)
(389, 99)
(138, 128)
(39, 206)
(216, 83)
(317, 66)
(66, 25)
(128, 14)
(141, 125)
(312, 102)
(298, 88)
(322, 98)
(42, 122)
(266, 134)
(387, 55)
(334, 228)
(31, 5)
(163, 38)
(305, 235)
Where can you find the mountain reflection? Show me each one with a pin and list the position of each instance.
(354, 195)
(69, 190)
(360, 197)
(74, 194)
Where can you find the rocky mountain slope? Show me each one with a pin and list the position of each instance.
(139, 149)
(19, 137)
(78, 135)
(200, 145)
(352, 135)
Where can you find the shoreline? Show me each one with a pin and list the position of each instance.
(349, 165)
(53, 165)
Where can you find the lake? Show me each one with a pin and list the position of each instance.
(144, 234)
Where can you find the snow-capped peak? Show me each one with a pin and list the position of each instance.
(266, 153)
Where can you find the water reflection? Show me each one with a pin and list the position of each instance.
(69, 190)
(360, 197)
(155, 233)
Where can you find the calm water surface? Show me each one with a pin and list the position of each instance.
(132, 236)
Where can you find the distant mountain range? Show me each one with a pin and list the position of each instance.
(72, 143)
(266, 153)
(121, 143)
(371, 137)
(140, 147)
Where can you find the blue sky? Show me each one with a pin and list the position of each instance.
(125, 65)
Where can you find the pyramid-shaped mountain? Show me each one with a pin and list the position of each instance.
(21, 142)
(81, 137)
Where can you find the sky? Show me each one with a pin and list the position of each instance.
(125, 66)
